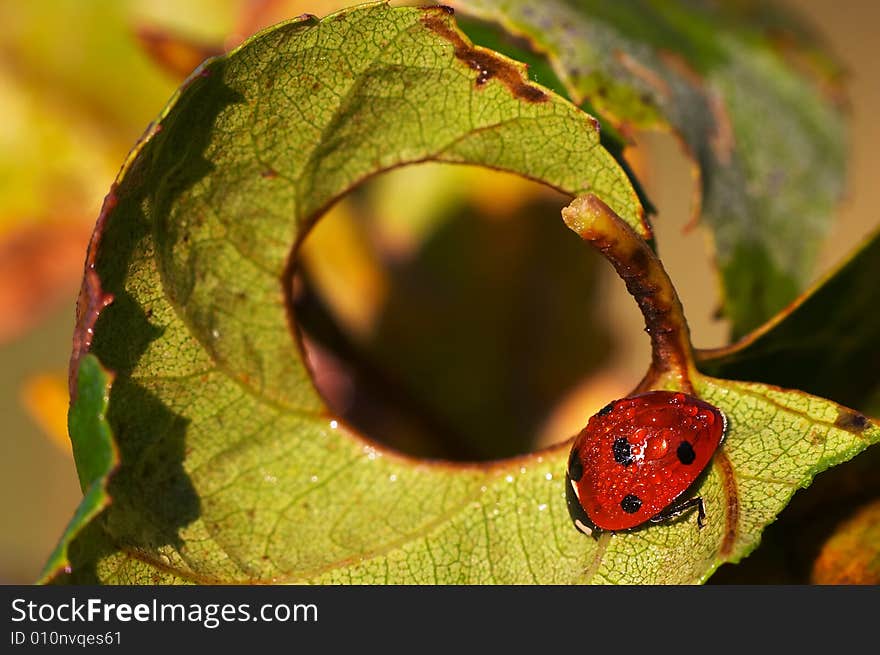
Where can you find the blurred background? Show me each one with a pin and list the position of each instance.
(531, 330)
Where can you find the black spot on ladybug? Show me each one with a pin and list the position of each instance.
(685, 452)
(622, 451)
(851, 421)
(630, 504)
(575, 467)
(605, 410)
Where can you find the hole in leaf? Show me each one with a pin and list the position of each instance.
(447, 311)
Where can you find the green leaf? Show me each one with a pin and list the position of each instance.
(212, 403)
(96, 456)
(231, 468)
(768, 140)
(824, 343)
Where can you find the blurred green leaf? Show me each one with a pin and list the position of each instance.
(825, 343)
(754, 101)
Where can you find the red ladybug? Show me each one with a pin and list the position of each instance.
(636, 459)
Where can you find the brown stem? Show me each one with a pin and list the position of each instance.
(672, 361)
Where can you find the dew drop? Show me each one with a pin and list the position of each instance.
(509, 478)
(334, 424)
(657, 446)
(314, 478)
(548, 476)
(542, 507)
(392, 477)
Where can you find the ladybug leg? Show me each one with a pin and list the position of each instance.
(679, 508)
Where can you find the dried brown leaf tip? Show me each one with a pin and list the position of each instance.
(175, 53)
(646, 280)
(488, 64)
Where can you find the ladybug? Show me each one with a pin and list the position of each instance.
(637, 457)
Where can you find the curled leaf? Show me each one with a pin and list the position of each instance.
(231, 469)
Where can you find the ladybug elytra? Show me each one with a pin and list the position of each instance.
(637, 457)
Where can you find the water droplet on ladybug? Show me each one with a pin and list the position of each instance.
(656, 447)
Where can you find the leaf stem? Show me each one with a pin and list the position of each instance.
(672, 361)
